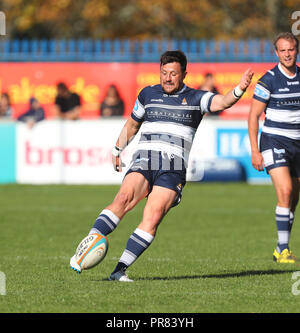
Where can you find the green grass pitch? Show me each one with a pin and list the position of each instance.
(212, 253)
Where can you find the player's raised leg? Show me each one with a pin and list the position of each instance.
(133, 189)
(159, 202)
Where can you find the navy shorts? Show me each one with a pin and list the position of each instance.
(160, 170)
(279, 151)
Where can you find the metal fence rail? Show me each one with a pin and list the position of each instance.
(88, 50)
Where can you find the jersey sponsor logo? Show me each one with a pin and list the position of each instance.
(279, 151)
(187, 115)
(280, 161)
(166, 95)
(142, 159)
(287, 103)
(292, 83)
(284, 89)
(157, 100)
(260, 92)
(184, 102)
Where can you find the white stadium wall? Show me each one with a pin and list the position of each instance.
(79, 152)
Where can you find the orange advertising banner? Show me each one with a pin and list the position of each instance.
(91, 80)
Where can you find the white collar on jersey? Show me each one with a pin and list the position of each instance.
(284, 73)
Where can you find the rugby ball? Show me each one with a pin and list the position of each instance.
(91, 251)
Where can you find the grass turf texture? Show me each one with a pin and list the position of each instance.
(212, 253)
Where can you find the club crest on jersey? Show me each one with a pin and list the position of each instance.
(184, 102)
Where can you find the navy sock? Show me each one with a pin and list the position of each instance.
(105, 223)
(138, 242)
(283, 226)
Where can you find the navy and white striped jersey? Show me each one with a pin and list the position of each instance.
(281, 93)
(170, 121)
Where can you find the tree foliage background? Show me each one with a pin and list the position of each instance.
(140, 19)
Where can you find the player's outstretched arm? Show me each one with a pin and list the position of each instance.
(222, 102)
(128, 132)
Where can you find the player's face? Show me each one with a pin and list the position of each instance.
(287, 53)
(171, 77)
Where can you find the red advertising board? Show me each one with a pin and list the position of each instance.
(90, 80)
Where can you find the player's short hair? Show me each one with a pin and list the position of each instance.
(287, 36)
(174, 56)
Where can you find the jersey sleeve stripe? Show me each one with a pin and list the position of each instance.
(206, 102)
(136, 118)
(138, 111)
(262, 93)
(209, 101)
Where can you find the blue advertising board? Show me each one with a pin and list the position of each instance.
(7, 153)
(234, 143)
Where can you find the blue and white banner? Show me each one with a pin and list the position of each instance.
(80, 152)
(233, 143)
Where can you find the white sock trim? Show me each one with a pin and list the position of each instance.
(94, 231)
(145, 235)
(283, 237)
(111, 215)
(282, 210)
